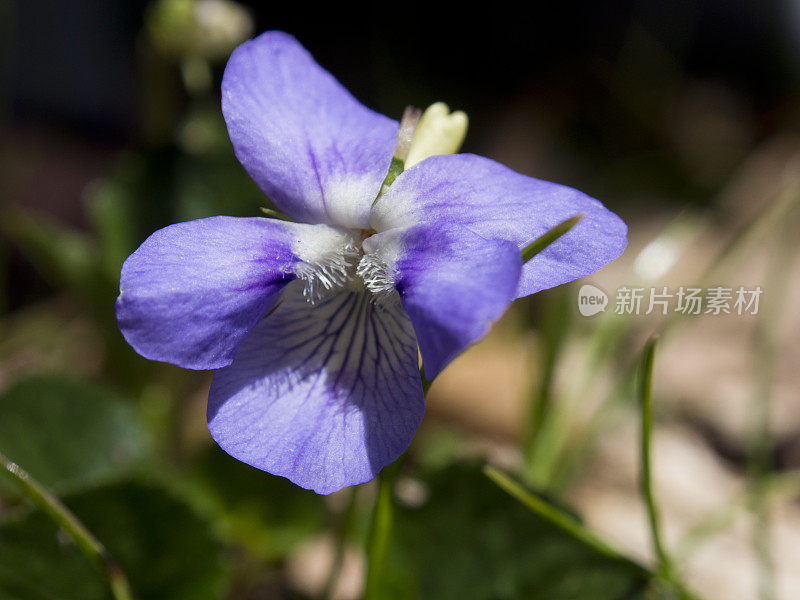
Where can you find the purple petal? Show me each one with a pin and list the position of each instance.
(192, 291)
(499, 203)
(453, 284)
(324, 395)
(313, 149)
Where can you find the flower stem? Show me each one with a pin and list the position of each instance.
(646, 399)
(64, 518)
(426, 383)
(768, 336)
(382, 524)
(381, 530)
(342, 527)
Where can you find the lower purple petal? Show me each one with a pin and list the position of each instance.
(323, 395)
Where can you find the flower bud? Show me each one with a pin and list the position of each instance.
(439, 132)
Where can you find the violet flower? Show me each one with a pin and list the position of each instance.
(314, 326)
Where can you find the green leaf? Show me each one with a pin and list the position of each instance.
(473, 540)
(166, 550)
(69, 434)
(266, 514)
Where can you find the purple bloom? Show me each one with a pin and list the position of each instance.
(314, 326)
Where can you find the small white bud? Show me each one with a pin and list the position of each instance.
(438, 132)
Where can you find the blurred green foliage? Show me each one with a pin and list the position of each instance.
(70, 434)
(168, 530)
(486, 544)
(166, 550)
(267, 515)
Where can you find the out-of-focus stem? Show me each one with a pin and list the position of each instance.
(646, 400)
(555, 326)
(558, 472)
(63, 517)
(342, 527)
(382, 526)
(773, 486)
(766, 350)
(759, 462)
(381, 531)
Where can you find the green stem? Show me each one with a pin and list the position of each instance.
(426, 384)
(552, 439)
(396, 167)
(381, 530)
(773, 486)
(341, 538)
(382, 524)
(555, 472)
(759, 464)
(63, 517)
(756, 230)
(646, 398)
(767, 351)
(555, 325)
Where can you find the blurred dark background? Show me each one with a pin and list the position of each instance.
(634, 102)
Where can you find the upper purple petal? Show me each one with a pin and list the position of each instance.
(499, 203)
(313, 149)
(453, 284)
(191, 291)
(324, 395)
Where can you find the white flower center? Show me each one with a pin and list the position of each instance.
(378, 277)
(337, 260)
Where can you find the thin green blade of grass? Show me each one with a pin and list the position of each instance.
(646, 480)
(89, 545)
(549, 237)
